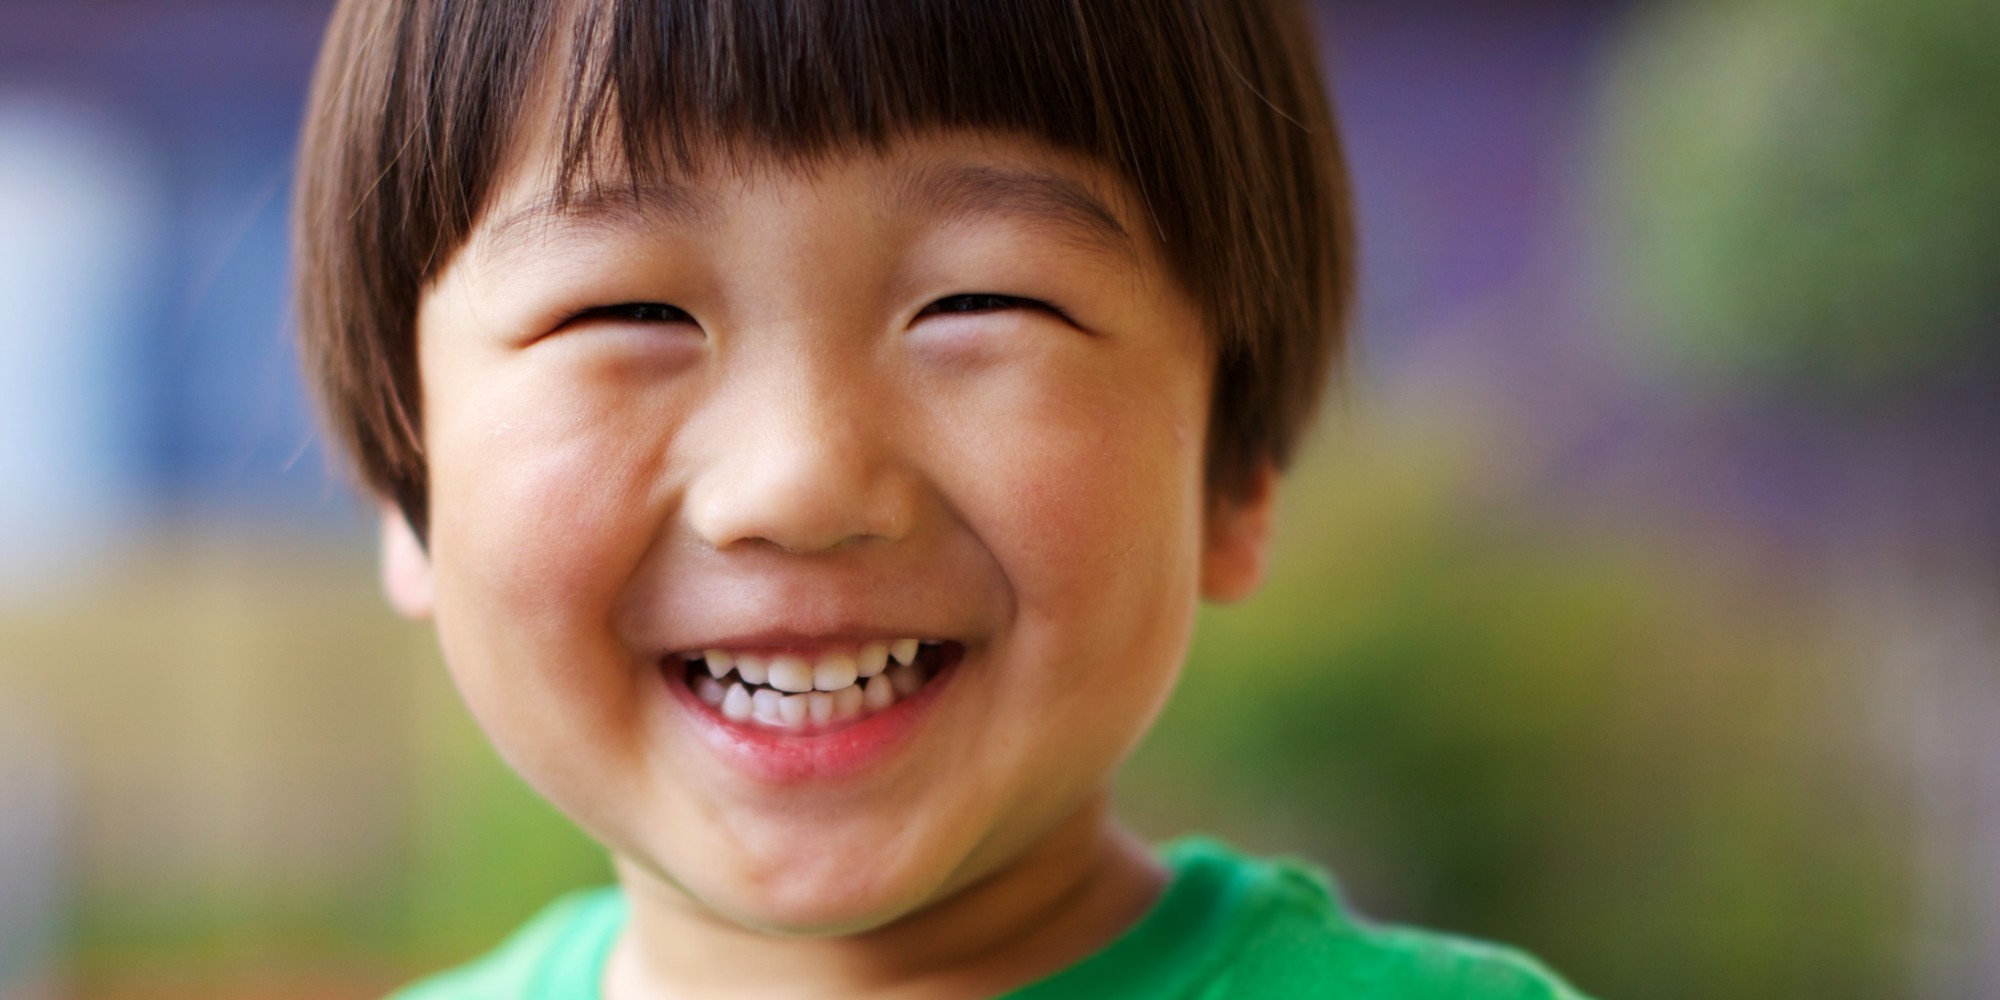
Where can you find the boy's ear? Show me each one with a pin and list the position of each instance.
(1238, 537)
(406, 566)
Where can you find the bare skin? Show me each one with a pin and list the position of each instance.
(1075, 892)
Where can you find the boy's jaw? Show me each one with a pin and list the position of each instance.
(790, 712)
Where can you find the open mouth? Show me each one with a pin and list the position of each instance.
(826, 690)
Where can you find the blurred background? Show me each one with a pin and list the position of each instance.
(1639, 603)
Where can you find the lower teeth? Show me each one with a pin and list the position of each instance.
(761, 703)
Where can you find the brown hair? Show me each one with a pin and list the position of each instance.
(1212, 110)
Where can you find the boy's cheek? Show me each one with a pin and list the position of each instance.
(1097, 485)
(1091, 508)
(542, 511)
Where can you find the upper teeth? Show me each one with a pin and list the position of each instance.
(831, 687)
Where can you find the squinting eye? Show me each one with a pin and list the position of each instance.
(636, 312)
(981, 302)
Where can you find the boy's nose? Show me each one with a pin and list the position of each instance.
(804, 467)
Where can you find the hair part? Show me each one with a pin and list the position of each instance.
(1212, 110)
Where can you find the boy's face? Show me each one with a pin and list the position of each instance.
(946, 393)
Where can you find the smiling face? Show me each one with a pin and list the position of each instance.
(942, 392)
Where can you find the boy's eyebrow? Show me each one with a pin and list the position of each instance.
(617, 206)
(958, 192)
(965, 190)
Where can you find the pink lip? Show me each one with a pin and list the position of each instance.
(782, 758)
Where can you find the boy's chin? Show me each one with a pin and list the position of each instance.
(823, 897)
(821, 917)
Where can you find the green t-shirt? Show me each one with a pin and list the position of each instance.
(1228, 927)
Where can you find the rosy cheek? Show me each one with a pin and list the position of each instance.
(537, 529)
(1096, 487)
(546, 503)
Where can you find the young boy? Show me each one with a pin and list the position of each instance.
(810, 426)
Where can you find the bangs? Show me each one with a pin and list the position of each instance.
(646, 89)
(663, 84)
(1212, 111)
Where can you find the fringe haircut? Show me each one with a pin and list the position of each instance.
(1212, 110)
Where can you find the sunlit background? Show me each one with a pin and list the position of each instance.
(1638, 604)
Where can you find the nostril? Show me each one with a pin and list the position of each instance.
(801, 511)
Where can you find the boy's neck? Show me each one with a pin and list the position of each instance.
(1069, 895)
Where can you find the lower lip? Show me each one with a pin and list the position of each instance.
(782, 758)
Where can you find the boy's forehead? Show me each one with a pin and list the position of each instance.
(938, 181)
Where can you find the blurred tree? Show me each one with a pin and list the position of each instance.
(1807, 187)
(1808, 216)
(1626, 755)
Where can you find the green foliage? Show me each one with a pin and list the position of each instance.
(486, 852)
(1622, 755)
(1804, 188)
